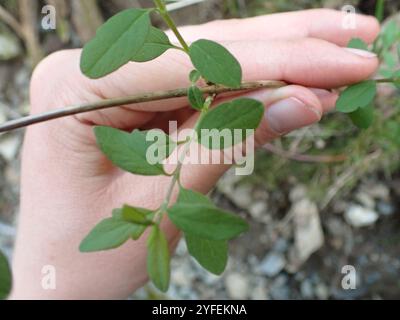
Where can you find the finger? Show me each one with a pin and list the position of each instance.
(307, 62)
(323, 24)
(286, 109)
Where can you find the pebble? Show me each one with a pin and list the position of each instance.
(358, 216)
(308, 233)
(9, 146)
(385, 208)
(237, 286)
(321, 291)
(365, 200)
(258, 209)
(9, 46)
(279, 289)
(272, 264)
(242, 196)
(298, 193)
(306, 289)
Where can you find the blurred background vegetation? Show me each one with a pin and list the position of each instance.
(321, 198)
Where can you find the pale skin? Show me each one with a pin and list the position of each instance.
(68, 185)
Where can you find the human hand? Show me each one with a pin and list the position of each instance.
(68, 185)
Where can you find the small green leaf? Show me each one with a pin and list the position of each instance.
(115, 43)
(363, 117)
(241, 114)
(356, 96)
(137, 215)
(190, 196)
(206, 221)
(194, 76)
(390, 59)
(128, 151)
(390, 34)
(158, 259)
(156, 44)
(211, 255)
(196, 98)
(357, 43)
(5, 277)
(110, 233)
(215, 63)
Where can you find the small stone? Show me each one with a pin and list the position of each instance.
(272, 264)
(308, 233)
(306, 289)
(298, 193)
(242, 196)
(9, 146)
(237, 286)
(321, 291)
(180, 278)
(279, 289)
(9, 46)
(385, 208)
(258, 209)
(379, 191)
(365, 200)
(259, 292)
(281, 245)
(358, 216)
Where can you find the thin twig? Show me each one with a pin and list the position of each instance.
(139, 98)
(13, 23)
(304, 157)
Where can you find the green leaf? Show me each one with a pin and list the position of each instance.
(190, 196)
(357, 43)
(396, 76)
(240, 114)
(115, 43)
(390, 59)
(194, 76)
(390, 34)
(211, 255)
(158, 259)
(363, 117)
(137, 215)
(216, 63)
(356, 96)
(111, 233)
(206, 221)
(156, 44)
(162, 145)
(196, 98)
(5, 277)
(128, 151)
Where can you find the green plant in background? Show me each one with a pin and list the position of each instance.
(129, 36)
(5, 277)
(358, 100)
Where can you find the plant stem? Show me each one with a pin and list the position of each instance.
(387, 80)
(176, 175)
(139, 98)
(171, 24)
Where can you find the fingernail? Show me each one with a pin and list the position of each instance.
(362, 53)
(290, 114)
(321, 93)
